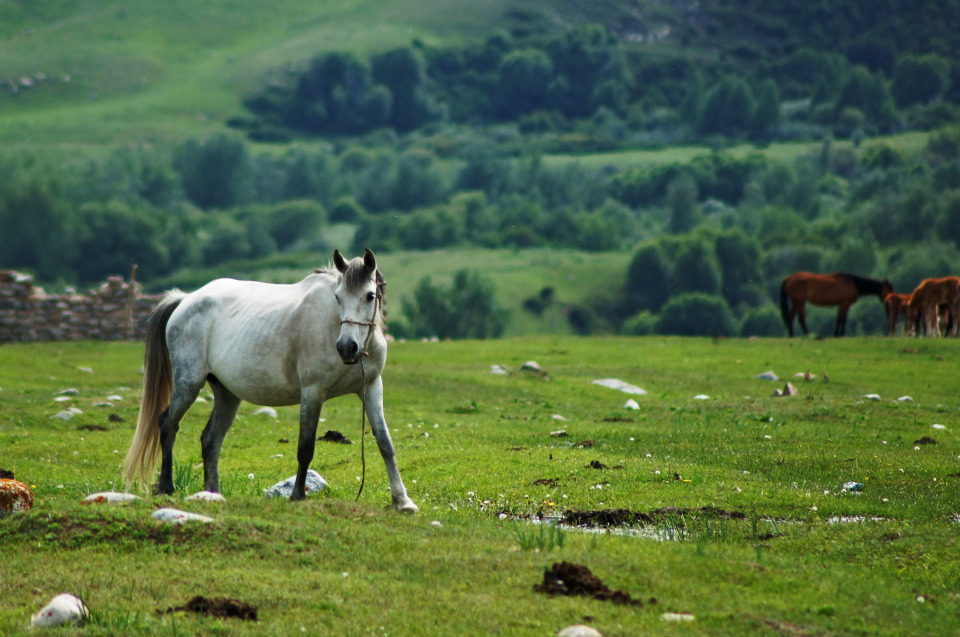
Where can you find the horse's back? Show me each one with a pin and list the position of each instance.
(819, 289)
(251, 336)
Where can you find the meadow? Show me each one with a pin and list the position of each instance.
(750, 528)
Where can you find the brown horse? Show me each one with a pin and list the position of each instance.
(927, 300)
(895, 305)
(840, 288)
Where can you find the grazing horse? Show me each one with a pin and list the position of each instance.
(268, 344)
(928, 298)
(840, 288)
(895, 306)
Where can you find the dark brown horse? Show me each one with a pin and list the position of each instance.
(840, 288)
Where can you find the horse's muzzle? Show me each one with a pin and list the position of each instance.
(349, 352)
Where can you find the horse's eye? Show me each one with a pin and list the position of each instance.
(371, 296)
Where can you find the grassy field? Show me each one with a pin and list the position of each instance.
(785, 549)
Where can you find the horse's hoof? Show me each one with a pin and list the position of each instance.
(406, 507)
(158, 490)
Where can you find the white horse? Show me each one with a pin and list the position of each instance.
(267, 344)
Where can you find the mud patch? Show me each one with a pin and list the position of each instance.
(926, 440)
(607, 518)
(220, 607)
(115, 418)
(335, 436)
(596, 464)
(618, 419)
(547, 482)
(585, 444)
(92, 428)
(6, 475)
(566, 578)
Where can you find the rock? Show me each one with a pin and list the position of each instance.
(557, 417)
(14, 496)
(265, 411)
(558, 434)
(284, 488)
(62, 609)
(114, 397)
(579, 630)
(108, 497)
(619, 385)
(872, 396)
(72, 391)
(63, 415)
(905, 399)
(631, 404)
(701, 397)
(531, 366)
(499, 370)
(677, 617)
(206, 496)
(852, 486)
(767, 375)
(176, 516)
(936, 426)
(63, 399)
(788, 390)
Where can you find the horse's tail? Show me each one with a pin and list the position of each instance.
(785, 304)
(155, 396)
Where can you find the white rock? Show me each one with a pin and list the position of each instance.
(63, 415)
(74, 410)
(936, 426)
(558, 417)
(905, 399)
(559, 433)
(114, 397)
(109, 497)
(531, 366)
(206, 496)
(176, 516)
(436, 523)
(265, 411)
(619, 385)
(701, 397)
(499, 370)
(86, 370)
(767, 375)
(72, 391)
(63, 399)
(872, 396)
(677, 617)
(62, 609)
(631, 404)
(284, 488)
(579, 630)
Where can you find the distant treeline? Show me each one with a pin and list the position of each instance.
(587, 88)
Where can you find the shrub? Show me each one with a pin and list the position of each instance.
(641, 324)
(762, 321)
(696, 314)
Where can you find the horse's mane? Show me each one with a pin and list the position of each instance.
(355, 278)
(863, 284)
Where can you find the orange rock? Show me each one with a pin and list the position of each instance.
(14, 496)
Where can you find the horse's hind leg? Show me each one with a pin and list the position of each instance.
(801, 312)
(183, 396)
(225, 405)
(373, 403)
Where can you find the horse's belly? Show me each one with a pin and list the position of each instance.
(261, 386)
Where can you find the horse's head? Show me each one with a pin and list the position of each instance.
(359, 295)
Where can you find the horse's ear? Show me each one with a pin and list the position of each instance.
(370, 261)
(339, 262)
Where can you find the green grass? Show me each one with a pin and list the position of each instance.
(335, 567)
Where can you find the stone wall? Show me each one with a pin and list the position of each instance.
(114, 311)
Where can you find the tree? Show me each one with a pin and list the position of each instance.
(215, 171)
(524, 78)
(695, 268)
(648, 281)
(766, 118)
(407, 103)
(682, 197)
(762, 321)
(465, 309)
(113, 236)
(739, 259)
(918, 79)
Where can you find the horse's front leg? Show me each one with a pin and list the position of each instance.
(310, 406)
(373, 403)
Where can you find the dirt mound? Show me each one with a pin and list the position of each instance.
(926, 440)
(596, 464)
(217, 607)
(92, 428)
(335, 436)
(6, 475)
(566, 578)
